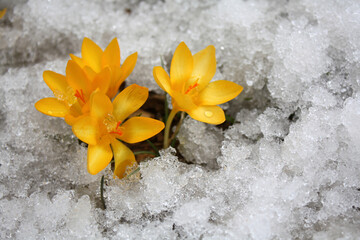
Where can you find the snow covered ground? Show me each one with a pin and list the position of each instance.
(289, 168)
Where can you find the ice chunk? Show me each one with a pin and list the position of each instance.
(350, 119)
(320, 97)
(199, 142)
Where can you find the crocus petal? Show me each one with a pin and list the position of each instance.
(219, 92)
(90, 73)
(74, 114)
(78, 60)
(162, 79)
(102, 80)
(76, 77)
(100, 105)
(182, 101)
(52, 107)
(71, 120)
(138, 129)
(115, 82)
(124, 159)
(87, 130)
(55, 81)
(91, 53)
(99, 156)
(204, 67)
(128, 65)
(181, 67)
(129, 100)
(111, 55)
(208, 114)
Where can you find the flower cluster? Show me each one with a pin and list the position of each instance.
(83, 98)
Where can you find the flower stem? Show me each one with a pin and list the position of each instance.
(102, 192)
(166, 111)
(145, 152)
(173, 137)
(168, 126)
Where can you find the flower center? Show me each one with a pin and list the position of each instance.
(80, 95)
(66, 97)
(112, 126)
(118, 129)
(191, 87)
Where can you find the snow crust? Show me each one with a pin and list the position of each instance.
(288, 168)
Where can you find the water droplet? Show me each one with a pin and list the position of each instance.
(208, 113)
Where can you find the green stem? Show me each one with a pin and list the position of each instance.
(168, 126)
(166, 112)
(172, 139)
(144, 152)
(102, 192)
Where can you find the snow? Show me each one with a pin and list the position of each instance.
(288, 168)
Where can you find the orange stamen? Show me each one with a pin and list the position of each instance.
(80, 95)
(118, 124)
(192, 87)
(117, 130)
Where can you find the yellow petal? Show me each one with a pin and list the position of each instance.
(208, 114)
(89, 72)
(79, 61)
(2, 13)
(120, 74)
(102, 80)
(71, 119)
(162, 79)
(129, 100)
(87, 130)
(74, 114)
(115, 82)
(111, 55)
(182, 101)
(91, 53)
(181, 67)
(204, 67)
(124, 159)
(76, 77)
(99, 156)
(52, 107)
(100, 105)
(55, 81)
(138, 129)
(128, 65)
(219, 92)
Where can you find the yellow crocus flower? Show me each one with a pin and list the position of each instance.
(71, 92)
(105, 126)
(190, 88)
(94, 60)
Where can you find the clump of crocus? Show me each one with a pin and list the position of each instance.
(106, 126)
(190, 88)
(94, 60)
